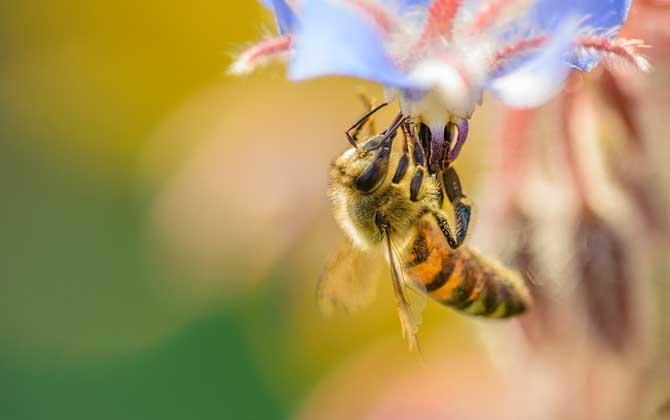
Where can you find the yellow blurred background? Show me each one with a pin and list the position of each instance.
(163, 224)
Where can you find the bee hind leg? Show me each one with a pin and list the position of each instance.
(443, 224)
(461, 204)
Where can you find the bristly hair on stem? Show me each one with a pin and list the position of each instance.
(261, 53)
(504, 54)
(622, 48)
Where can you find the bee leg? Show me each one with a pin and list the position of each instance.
(358, 125)
(403, 163)
(418, 158)
(460, 203)
(442, 223)
(415, 185)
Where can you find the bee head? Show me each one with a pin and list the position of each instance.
(363, 168)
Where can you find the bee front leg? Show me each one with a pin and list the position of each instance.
(403, 163)
(418, 159)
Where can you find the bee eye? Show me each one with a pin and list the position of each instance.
(374, 174)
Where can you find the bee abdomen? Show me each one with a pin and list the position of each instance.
(465, 281)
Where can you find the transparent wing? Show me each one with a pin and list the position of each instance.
(410, 296)
(348, 281)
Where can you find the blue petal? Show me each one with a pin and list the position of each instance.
(286, 19)
(401, 6)
(407, 3)
(536, 79)
(333, 39)
(599, 15)
(548, 15)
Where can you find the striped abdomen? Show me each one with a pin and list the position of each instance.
(461, 278)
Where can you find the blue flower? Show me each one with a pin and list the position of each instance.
(438, 57)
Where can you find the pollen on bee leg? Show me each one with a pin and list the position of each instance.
(261, 53)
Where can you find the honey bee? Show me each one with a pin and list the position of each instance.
(418, 219)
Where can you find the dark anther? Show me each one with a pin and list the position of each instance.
(415, 186)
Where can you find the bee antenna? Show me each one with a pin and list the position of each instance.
(359, 123)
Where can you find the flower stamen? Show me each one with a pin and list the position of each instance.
(260, 53)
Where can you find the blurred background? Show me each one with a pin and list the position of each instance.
(163, 227)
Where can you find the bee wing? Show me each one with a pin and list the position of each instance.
(411, 296)
(348, 280)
